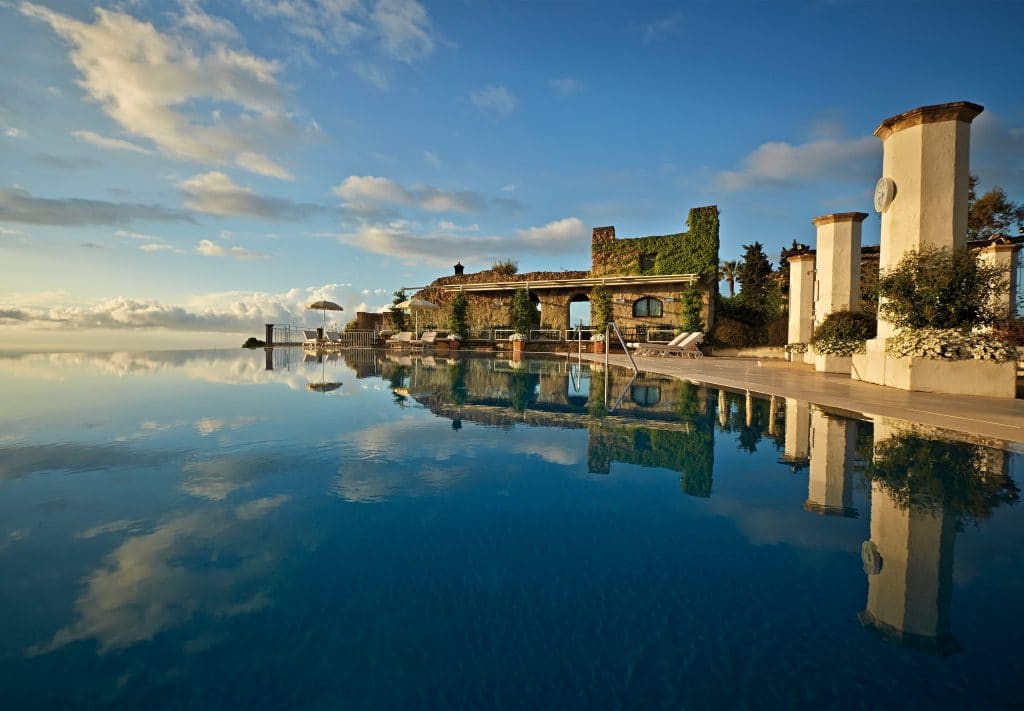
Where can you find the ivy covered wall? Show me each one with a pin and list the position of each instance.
(692, 252)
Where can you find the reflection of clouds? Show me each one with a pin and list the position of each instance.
(223, 367)
(147, 586)
(23, 460)
(401, 456)
(111, 527)
(766, 523)
(217, 478)
(209, 425)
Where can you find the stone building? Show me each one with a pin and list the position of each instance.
(646, 277)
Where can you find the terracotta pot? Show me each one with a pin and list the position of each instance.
(453, 344)
(598, 346)
(517, 346)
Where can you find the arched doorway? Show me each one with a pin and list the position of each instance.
(534, 311)
(579, 310)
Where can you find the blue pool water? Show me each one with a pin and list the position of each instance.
(218, 529)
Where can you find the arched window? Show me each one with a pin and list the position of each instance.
(645, 395)
(647, 306)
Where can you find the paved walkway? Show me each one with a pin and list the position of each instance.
(986, 417)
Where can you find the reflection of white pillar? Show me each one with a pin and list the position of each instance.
(801, 300)
(830, 481)
(909, 564)
(748, 406)
(773, 413)
(838, 275)
(723, 408)
(798, 430)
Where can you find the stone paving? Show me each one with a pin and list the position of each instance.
(985, 417)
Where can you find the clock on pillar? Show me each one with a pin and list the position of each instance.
(885, 191)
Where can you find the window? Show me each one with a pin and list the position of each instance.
(645, 395)
(647, 306)
(647, 262)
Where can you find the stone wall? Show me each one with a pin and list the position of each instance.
(691, 252)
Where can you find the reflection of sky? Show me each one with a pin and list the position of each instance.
(184, 510)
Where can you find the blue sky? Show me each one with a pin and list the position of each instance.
(179, 172)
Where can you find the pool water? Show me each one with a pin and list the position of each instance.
(238, 529)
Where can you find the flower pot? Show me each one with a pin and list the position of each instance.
(598, 346)
(517, 346)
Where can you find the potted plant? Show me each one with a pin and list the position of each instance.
(517, 339)
(598, 340)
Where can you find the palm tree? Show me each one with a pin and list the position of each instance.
(727, 271)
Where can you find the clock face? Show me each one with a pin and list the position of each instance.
(885, 190)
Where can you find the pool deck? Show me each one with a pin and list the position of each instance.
(997, 418)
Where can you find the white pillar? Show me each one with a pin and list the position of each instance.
(801, 298)
(830, 481)
(838, 275)
(1001, 255)
(925, 156)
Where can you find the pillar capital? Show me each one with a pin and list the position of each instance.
(954, 111)
(839, 217)
(802, 257)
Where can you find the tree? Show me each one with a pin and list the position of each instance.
(601, 308)
(992, 213)
(692, 303)
(754, 274)
(522, 315)
(397, 315)
(460, 307)
(727, 272)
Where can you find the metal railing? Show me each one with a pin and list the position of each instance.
(545, 334)
(503, 334)
(481, 334)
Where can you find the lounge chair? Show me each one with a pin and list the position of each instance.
(686, 347)
(310, 339)
(674, 342)
(333, 339)
(427, 340)
(400, 340)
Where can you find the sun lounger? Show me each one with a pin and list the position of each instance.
(687, 347)
(427, 340)
(310, 339)
(333, 339)
(674, 342)
(400, 340)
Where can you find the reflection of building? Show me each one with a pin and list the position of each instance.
(798, 432)
(830, 485)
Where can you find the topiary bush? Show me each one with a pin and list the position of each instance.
(733, 334)
(950, 344)
(458, 325)
(843, 333)
(692, 303)
(522, 316)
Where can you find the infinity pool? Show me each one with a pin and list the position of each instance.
(234, 529)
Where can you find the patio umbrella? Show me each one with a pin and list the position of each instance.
(324, 306)
(412, 304)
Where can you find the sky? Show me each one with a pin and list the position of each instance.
(177, 173)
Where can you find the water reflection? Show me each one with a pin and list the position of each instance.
(213, 490)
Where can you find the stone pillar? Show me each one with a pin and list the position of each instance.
(798, 431)
(837, 287)
(925, 156)
(1002, 255)
(830, 482)
(270, 335)
(801, 298)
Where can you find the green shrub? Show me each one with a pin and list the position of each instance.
(733, 334)
(522, 316)
(936, 288)
(601, 308)
(458, 326)
(777, 332)
(843, 333)
(505, 267)
(692, 303)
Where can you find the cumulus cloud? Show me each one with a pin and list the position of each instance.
(216, 194)
(147, 80)
(565, 87)
(115, 144)
(366, 190)
(778, 164)
(219, 312)
(439, 247)
(497, 101)
(20, 206)
(209, 249)
(12, 132)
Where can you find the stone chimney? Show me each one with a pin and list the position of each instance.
(459, 269)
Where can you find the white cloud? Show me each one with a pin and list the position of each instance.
(219, 312)
(216, 194)
(116, 144)
(565, 87)
(157, 247)
(508, 189)
(495, 100)
(441, 246)
(193, 17)
(12, 132)
(19, 206)
(209, 249)
(362, 190)
(145, 80)
(662, 28)
(779, 164)
(394, 30)
(137, 235)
